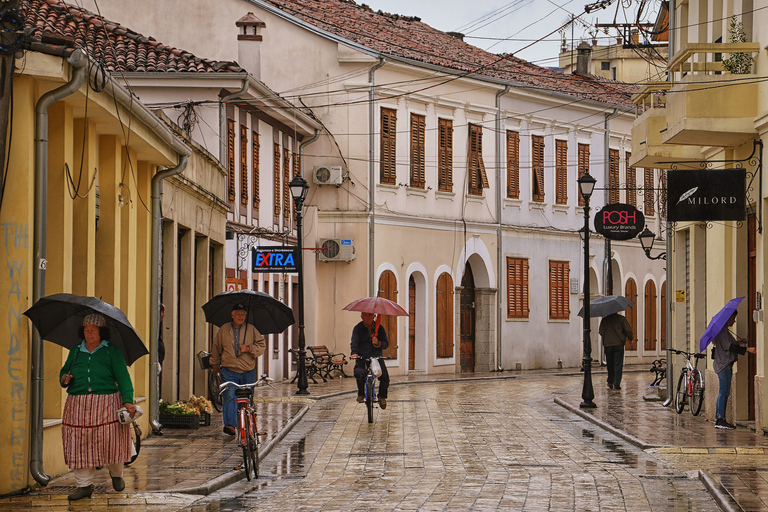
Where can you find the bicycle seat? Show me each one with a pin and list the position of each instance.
(243, 393)
(699, 356)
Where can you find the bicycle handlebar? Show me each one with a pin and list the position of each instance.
(263, 380)
(697, 355)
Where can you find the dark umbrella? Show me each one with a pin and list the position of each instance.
(718, 322)
(266, 313)
(57, 318)
(604, 306)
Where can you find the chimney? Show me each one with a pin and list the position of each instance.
(457, 35)
(249, 44)
(583, 58)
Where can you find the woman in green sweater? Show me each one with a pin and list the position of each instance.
(98, 384)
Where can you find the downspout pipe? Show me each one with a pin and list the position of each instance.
(372, 176)
(154, 314)
(607, 267)
(77, 60)
(499, 199)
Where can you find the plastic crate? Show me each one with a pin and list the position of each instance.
(181, 420)
(205, 420)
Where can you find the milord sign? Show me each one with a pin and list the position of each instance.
(703, 195)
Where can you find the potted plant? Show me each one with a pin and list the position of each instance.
(186, 414)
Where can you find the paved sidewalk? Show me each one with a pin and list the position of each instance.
(183, 462)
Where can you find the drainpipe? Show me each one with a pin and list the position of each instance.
(305, 144)
(607, 267)
(372, 176)
(77, 61)
(499, 252)
(154, 315)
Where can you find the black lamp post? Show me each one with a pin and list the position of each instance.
(586, 187)
(299, 188)
(646, 241)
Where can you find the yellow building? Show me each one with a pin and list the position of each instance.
(711, 115)
(92, 149)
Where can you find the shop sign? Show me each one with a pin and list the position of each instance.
(275, 259)
(619, 221)
(703, 195)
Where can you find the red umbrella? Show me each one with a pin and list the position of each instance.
(378, 306)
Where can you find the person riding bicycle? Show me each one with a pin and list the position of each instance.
(233, 355)
(365, 344)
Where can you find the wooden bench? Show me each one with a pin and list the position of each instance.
(327, 362)
(309, 363)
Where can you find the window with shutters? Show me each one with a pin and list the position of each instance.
(388, 169)
(537, 178)
(445, 155)
(231, 160)
(477, 177)
(255, 156)
(630, 292)
(444, 320)
(631, 182)
(559, 294)
(388, 290)
(417, 150)
(517, 288)
(613, 176)
(276, 180)
(561, 172)
(663, 321)
(286, 181)
(650, 316)
(583, 166)
(648, 192)
(513, 165)
(243, 165)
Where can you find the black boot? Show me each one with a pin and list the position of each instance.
(80, 493)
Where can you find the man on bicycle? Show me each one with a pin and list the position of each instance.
(365, 344)
(233, 356)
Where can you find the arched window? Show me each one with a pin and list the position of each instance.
(388, 290)
(663, 309)
(630, 292)
(444, 310)
(650, 316)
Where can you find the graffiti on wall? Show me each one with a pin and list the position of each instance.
(16, 244)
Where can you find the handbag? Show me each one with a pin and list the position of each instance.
(375, 367)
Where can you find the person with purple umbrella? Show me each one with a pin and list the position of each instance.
(727, 349)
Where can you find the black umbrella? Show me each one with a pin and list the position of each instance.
(57, 318)
(604, 306)
(266, 313)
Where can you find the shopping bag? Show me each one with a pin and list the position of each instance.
(375, 367)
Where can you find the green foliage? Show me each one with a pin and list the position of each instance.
(738, 63)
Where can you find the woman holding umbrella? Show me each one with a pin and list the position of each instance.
(726, 350)
(98, 385)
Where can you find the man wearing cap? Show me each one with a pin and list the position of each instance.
(233, 356)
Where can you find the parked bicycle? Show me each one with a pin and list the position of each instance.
(690, 384)
(214, 379)
(370, 386)
(247, 435)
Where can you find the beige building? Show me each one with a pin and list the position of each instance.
(615, 62)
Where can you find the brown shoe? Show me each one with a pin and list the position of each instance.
(229, 429)
(360, 399)
(382, 403)
(80, 493)
(118, 483)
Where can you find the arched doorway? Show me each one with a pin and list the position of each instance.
(630, 292)
(650, 316)
(467, 321)
(411, 323)
(388, 290)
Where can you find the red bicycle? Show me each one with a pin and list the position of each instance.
(690, 385)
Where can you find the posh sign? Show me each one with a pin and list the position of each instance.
(619, 221)
(706, 195)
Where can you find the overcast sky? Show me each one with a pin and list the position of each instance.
(522, 21)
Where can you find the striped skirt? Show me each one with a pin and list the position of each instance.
(91, 434)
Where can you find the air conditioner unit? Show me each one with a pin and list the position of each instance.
(324, 175)
(337, 249)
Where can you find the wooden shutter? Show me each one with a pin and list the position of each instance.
(630, 292)
(444, 320)
(388, 169)
(648, 192)
(613, 176)
(537, 179)
(286, 181)
(517, 288)
(583, 166)
(388, 290)
(631, 182)
(559, 294)
(650, 316)
(663, 309)
(561, 172)
(243, 165)
(255, 156)
(445, 155)
(417, 151)
(276, 180)
(478, 180)
(513, 165)
(231, 160)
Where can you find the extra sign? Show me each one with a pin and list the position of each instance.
(619, 221)
(275, 259)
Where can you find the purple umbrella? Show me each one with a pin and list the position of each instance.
(718, 322)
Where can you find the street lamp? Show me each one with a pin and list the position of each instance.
(586, 187)
(646, 241)
(299, 188)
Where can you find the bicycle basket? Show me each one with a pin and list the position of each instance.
(204, 358)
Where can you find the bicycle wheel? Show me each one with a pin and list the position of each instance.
(698, 393)
(246, 433)
(682, 390)
(136, 440)
(254, 444)
(214, 381)
(370, 387)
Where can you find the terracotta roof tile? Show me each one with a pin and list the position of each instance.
(407, 37)
(118, 47)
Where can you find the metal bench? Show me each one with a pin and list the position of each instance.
(327, 362)
(309, 363)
